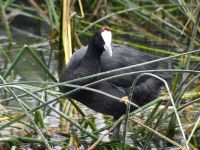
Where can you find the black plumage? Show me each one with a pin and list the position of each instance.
(94, 59)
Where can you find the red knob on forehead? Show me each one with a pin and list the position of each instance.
(105, 29)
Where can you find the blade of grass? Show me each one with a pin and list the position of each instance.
(194, 33)
(5, 22)
(174, 107)
(19, 54)
(29, 116)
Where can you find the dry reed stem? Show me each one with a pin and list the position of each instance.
(66, 30)
(139, 121)
(102, 136)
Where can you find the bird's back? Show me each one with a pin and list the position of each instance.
(124, 56)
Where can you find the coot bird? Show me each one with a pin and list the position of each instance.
(100, 56)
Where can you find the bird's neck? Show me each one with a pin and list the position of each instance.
(93, 51)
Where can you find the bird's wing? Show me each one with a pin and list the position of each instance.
(124, 56)
(77, 56)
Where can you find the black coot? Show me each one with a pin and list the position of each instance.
(98, 57)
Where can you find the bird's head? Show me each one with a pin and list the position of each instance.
(102, 39)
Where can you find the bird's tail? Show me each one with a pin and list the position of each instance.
(149, 89)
